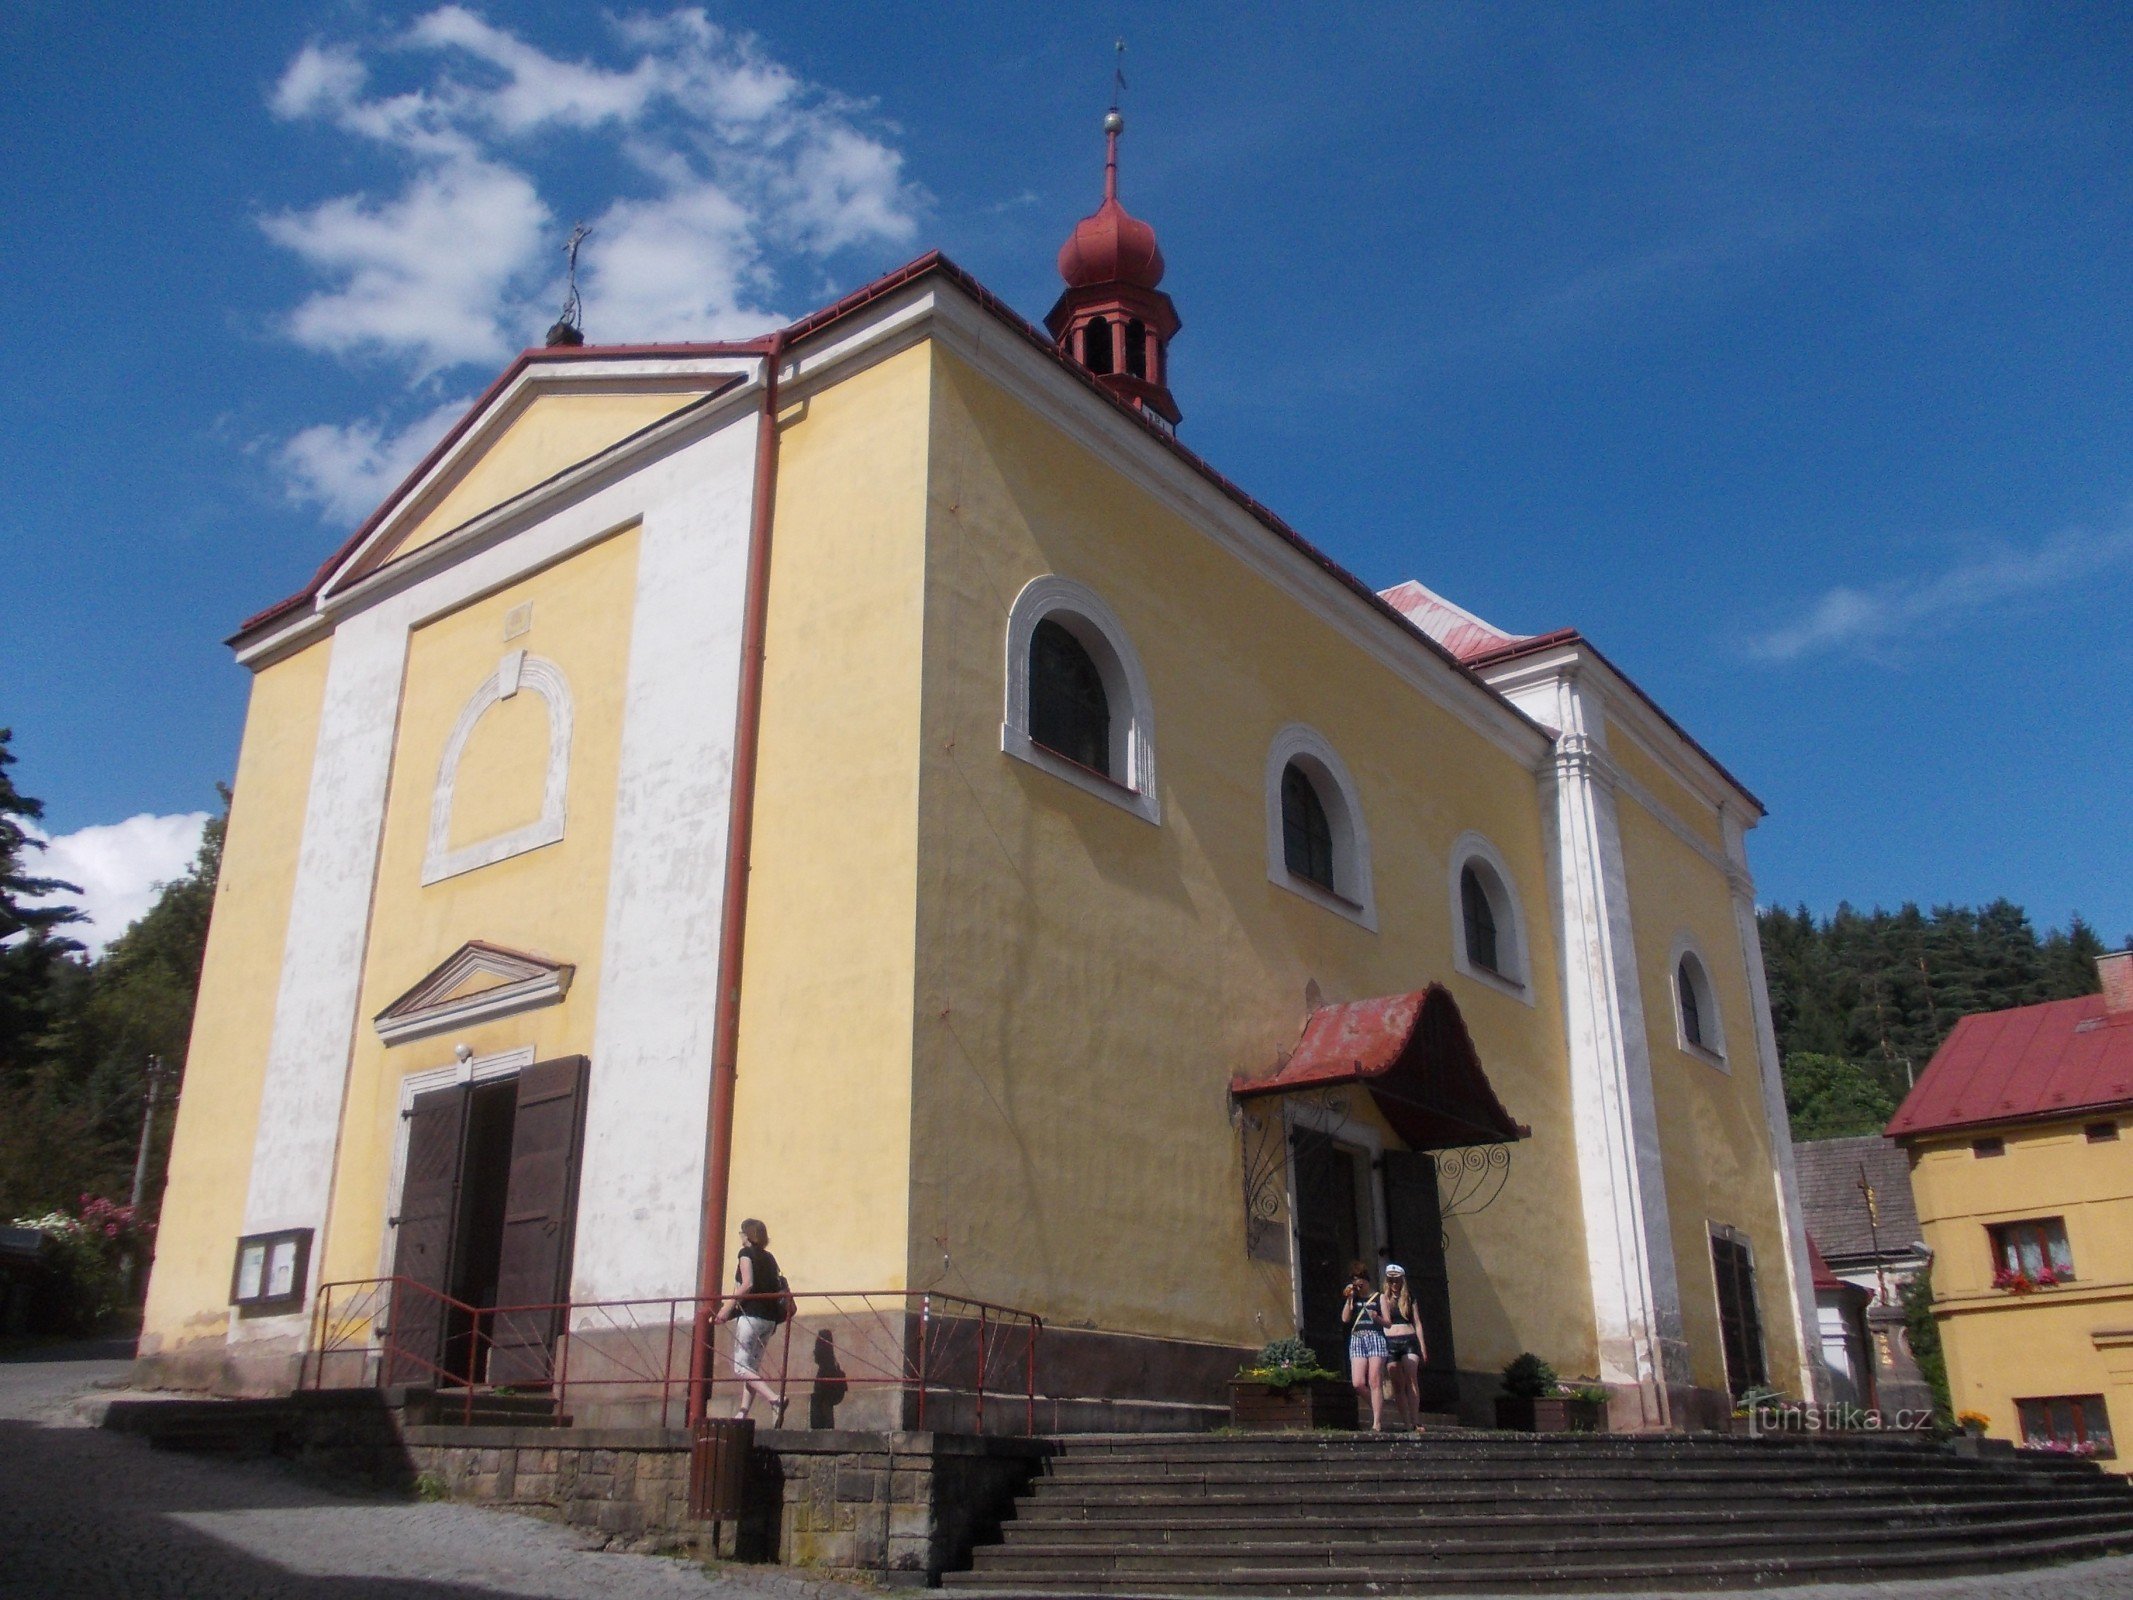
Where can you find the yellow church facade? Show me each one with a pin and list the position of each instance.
(1078, 792)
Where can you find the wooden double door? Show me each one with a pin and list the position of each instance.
(488, 1208)
(1335, 1203)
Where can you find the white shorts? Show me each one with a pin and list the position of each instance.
(750, 1334)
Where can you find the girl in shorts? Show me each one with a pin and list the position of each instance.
(1403, 1344)
(1363, 1314)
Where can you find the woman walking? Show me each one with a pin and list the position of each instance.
(1363, 1314)
(1403, 1344)
(760, 1302)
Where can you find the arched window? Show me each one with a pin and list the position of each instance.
(1488, 927)
(1700, 1027)
(1480, 920)
(1077, 699)
(1316, 843)
(1096, 345)
(1137, 348)
(1306, 835)
(1069, 713)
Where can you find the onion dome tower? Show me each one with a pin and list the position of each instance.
(1112, 319)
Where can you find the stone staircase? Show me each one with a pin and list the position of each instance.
(1330, 1514)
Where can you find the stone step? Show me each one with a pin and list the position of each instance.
(1566, 1483)
(1281, 1547)
(1539, 1578)
(1374, 1524)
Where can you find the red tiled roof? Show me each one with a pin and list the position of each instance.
(1413, 1053)
(2051, 1060)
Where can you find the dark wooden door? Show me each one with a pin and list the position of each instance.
(540, 1210)
(428, 1231)
(1415, 1228)
(1327, 1240)
(1740, 1323)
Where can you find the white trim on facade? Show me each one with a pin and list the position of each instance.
(1513, 938)
(1353, 896)
(517, 670)
(647, 1101)
(1083, 613)
(431, 1007)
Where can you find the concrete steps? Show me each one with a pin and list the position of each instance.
(1311, 1515)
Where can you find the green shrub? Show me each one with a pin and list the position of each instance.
(1527, 1377)
(1283, 1362)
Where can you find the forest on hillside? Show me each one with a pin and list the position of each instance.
(80, 1037)
(1861, 999)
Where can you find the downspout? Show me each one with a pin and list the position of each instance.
(733, 914)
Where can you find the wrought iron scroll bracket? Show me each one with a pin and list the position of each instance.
(1469, 1179)
(1264, 1156)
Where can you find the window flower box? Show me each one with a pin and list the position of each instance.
(1554, 1414)
(1306, 1404)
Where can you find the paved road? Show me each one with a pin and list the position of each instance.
(88, 1515)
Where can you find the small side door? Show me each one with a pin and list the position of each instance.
(1414, 1225)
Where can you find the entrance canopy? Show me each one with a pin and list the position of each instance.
(1414, 1055)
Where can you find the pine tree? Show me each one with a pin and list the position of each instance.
(31, 948)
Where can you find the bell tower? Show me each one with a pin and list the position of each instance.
(1111, 318)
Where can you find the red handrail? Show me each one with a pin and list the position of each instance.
(626, 1349)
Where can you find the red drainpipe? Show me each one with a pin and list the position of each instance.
(733, 918)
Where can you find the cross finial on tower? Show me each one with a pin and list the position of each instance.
(568, 327)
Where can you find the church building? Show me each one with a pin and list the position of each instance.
(877, 779)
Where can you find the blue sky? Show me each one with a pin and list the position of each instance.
(1788, 352)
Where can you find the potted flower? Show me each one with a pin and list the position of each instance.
(1535, 1400)
(1286, 1386)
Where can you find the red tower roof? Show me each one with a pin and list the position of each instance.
(1111, 245)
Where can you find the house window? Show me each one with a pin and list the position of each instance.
(1487, 927)
(1981, 1148)
(2101, 1132)
(1306, 834)
(1069, 713)
(1691, 1007)
(1316, 843)
(1740, 1323)
(2035, 1250)
(2075, 1423)
(1077, 700)
(1480, 920)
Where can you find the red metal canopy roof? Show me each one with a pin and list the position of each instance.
(2050, 1060)
(1413, 1053)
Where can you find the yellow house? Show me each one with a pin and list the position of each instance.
(2018, 1163)
(876, 779)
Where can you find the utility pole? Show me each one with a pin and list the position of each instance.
(129, 1268)
(148, 1129)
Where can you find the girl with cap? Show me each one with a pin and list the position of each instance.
(1403, 1344)
(1363, 1314)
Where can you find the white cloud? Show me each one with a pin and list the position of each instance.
(736, 167)
(432, 275)
(1877, 623)
(119, 866)
(346, 469)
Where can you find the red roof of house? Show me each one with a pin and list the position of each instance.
(2051, 1060)
(1414, 1055)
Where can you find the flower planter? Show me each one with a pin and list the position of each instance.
(1313, 1403)
(1561, 1415)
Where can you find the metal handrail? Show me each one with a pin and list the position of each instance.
(917, 1341)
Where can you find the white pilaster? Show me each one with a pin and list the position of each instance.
(640, 1195)
(1629, 1242)
(1806, 1323)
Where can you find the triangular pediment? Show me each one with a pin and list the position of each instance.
(478, 982)
(541, 424)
